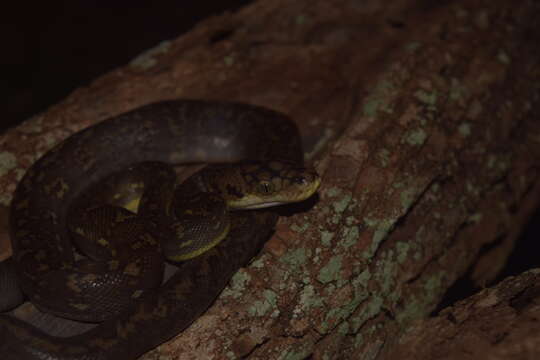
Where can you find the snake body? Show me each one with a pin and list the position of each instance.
(174, 132)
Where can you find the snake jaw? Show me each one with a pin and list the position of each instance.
(259, 184)
(295, 185)
(261, 205)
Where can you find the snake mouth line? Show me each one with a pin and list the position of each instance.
(254, 201)
(264, 205)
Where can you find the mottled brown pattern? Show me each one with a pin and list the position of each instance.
(179, 132)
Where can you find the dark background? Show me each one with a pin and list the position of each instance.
(49, 48)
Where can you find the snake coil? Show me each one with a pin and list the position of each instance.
(174, 132)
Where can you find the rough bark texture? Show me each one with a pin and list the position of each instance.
(424, 123)
(495, 324)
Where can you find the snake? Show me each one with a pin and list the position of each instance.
(256, 163)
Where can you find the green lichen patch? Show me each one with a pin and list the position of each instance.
(336, 315)
(33, 126)
(481, 20)
(360, 281)
(262, 307)
(309, 298)
(398, 185)
(370, 107)
(376, 101)
(381, 228)
(428, 98)
(458, 91)
(358, 294)
(342, 201)
(472, 189)
(343, 328)
(229, 60)
(350, 220)
(237, 284)
(384, 157)
(301, 19)
(341, 204)
(146, 60)
(413, 46)
(369, 309)
(8, 161)
(475, 218)
(333, 192)
(349, 236)
(465, 129)
(432, 285)
(326, 237)
(330, 272)
(503, 57)
(402, 249)
(386, 272)
(295, 259)
(417, 307)
(412, 309)
(259, 263)
(407, 197)
(300, 228)
(297, 351)
(491, 161)
(316, 258)
(416, 137)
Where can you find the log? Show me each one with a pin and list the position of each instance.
(495, 324)
(422, 119)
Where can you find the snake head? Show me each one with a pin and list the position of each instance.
(265, 184)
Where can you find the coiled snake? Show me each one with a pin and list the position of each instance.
(55, 195)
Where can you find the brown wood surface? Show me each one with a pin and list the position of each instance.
(423, 120)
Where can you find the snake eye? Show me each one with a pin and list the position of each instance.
(300, 180)
(265, 187)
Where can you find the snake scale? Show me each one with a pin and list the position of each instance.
(173, 132)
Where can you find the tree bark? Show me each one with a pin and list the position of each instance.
(495, 324)
(422, 120)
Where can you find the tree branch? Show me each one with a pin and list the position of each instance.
(423, 120)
